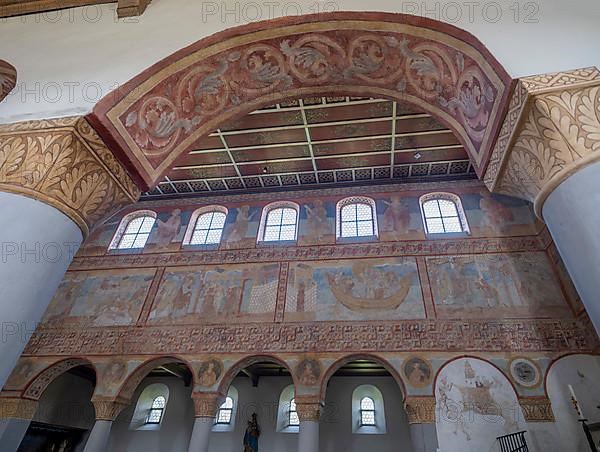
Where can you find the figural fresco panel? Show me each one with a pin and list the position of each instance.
(512, 285)
(216, 294)
(359, 289)
(103, 298)
(398, 218)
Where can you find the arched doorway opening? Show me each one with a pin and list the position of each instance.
(65, 414)
(161, 412)
(364, 407)
(264, 386)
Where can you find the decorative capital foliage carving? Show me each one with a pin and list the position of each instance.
(206, 404)
(537, 409)
(65, 164)
(552, 129)
(108, 409)
(17, 408)
(308, 407)
(8, 79)
(420, 409)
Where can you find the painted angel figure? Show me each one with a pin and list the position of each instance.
(251, 435)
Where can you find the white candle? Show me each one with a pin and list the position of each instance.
(576, 403)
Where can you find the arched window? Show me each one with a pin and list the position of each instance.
(225, 410)
(287, 414)
(279, 222)
(293, 419)
(443, 214)
(150, 408)
(156, 410)
(206, 226)
(225, 418)
(356, 217)
(134, 230)
(367, 411)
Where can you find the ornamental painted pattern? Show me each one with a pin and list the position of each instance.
(65, 164)
(172, 105)
(8, 79)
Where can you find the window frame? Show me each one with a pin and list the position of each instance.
(339, 220)
(193, 226)
(444, 196)
(291, 411)
(284, 411)
(121, 232)
(226, 409)
(267, 211)
(362, 412)
(154, 409)
(373, 393)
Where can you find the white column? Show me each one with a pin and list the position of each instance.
(424, 437)
(37, 243)
(12, 432)
(98, 439)
(308, 437)
(572, 214)
(201, 434)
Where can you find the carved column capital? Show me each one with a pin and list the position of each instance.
(206, 404)
(107, 409)
(17, 408)
(552, 129)
(308, 407)
(64, 163)
(537, 409)
(420, 409)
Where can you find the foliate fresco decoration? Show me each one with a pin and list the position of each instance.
(209, 372)
(216, 294)
(104, 298)
(475, 404)
(525, 372)
(159, 115)
(553, 128)
(496, 286)
(65, 164)
(8, 79)
(354, 289)
(418, 371)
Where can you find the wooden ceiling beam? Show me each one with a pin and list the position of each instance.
(125, 8)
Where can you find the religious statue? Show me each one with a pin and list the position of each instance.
(251, 435)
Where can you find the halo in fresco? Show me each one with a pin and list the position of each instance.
(209, 372)
(525, 372)
(417, 371)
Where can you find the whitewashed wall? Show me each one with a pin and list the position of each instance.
(67, 60)
(475, 404)
(583, 373)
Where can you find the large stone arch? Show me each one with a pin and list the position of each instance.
(333, 368)
(235, 369)
(134, 379)
(8, 78)
(158, 116)
(39, 383)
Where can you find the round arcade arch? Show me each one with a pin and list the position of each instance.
(160, 114)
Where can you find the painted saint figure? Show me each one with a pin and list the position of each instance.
(251, 435)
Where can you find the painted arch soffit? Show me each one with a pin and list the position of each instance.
(8, 78)
(160, 114)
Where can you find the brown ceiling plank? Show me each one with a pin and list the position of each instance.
(431, 156)
(266, 137)
(260, 120)
(434, 139)
(349, 112)
(276, 167)
(353, 161)
(203, 173)
(280, 152)
(355, 129)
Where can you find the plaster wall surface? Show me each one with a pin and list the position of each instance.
(62, 76)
